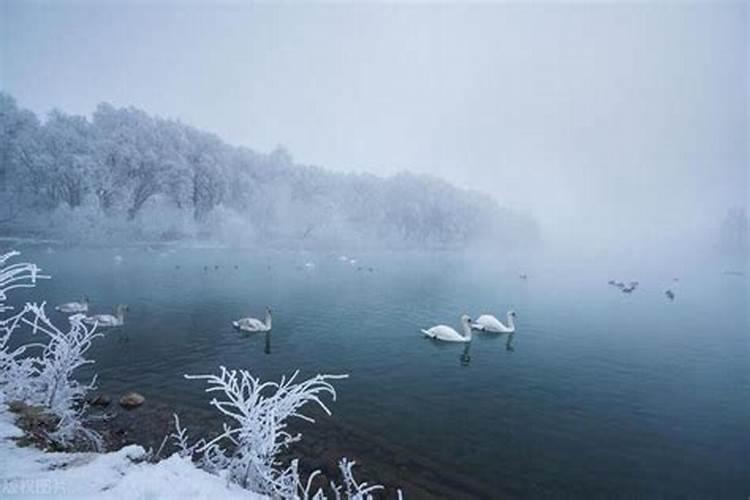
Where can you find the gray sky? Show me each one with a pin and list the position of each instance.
(623, 120)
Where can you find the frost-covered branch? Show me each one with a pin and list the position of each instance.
(259, 411)
(249, 449)
(47, 379)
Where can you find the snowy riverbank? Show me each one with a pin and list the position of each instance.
(32, 473)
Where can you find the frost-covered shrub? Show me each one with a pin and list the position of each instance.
(45, 379)
(58, 391)
(17, 366)
(249, 448)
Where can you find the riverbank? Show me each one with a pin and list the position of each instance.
(29, 472)
(323, 444)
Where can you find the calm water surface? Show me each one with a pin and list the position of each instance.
(599, 393)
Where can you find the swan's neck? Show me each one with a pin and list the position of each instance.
(467, 330)
(268, 320)
(511, 324)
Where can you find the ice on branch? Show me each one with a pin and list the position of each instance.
(45, 379)
(248, 450)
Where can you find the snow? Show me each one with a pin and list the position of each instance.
(33, 473)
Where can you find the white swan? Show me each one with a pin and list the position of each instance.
(489, 323)
(448, 334)
(74, 307)
(106, 320)
(254, 324)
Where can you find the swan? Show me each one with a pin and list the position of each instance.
(448, 334)
(254, 324)
(105, 320)
(489, 323)
(74, 307)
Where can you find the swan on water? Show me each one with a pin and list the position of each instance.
(105, 320)
(448, 334)
(489, 323)
(74, 307)
(254, 324)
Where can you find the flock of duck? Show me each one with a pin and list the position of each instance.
(630, 287)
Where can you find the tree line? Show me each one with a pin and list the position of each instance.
(124, 174)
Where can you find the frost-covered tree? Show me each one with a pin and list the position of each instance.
(124, 166)
(18, 132)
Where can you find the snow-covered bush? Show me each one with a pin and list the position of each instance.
(45, 379)
(58, 391)
(248, 450)
(17, 367)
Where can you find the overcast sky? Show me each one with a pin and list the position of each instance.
(628, 119)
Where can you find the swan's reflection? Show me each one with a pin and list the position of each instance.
(465, 357)
(509, 343)
(267, 346)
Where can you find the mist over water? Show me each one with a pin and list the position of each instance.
(369, 171)
(597, 391)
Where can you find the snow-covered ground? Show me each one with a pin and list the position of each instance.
(33, 473)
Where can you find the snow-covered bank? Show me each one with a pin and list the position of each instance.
(33, 473)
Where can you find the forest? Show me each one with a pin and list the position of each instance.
(124, 175)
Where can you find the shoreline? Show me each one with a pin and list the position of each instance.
(323, 444)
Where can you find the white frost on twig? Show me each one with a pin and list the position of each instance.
(249, 449)
(46, 379)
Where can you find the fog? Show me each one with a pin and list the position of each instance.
(614, 125)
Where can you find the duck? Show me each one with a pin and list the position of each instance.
(107, 320)
(254, 324)
(669, 294)
(448, 334)
(489, 323)
(74, 307)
